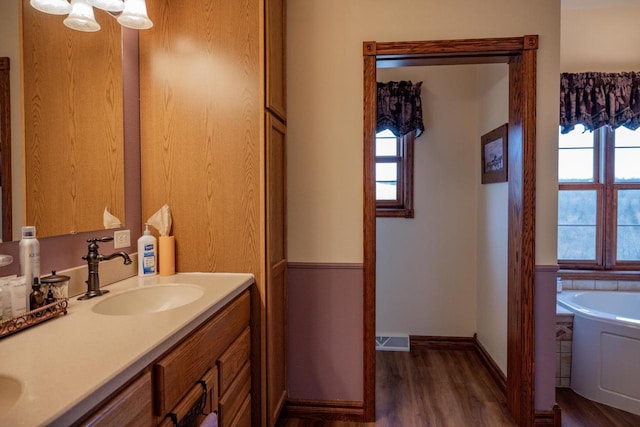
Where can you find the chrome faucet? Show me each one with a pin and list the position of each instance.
(93, 258)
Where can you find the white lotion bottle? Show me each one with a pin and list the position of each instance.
(147, 253)
(29, 248)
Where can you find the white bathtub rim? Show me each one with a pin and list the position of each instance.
(564, 299)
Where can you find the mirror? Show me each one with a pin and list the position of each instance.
(5, 149)
(72, 160)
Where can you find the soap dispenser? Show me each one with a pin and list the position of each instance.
(147, 247)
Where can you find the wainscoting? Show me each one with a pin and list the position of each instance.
(325, 369)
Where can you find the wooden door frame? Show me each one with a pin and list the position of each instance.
(520, 53)
(5, 149)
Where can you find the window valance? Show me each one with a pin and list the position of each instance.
(598, 99)
(400, 108)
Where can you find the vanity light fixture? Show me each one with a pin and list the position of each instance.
(132, 13)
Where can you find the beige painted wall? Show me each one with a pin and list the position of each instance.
(325, 107)
(420, 287)
(604, 40)
(10, 46)
(493, 200)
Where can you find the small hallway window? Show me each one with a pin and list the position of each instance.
(394, 174)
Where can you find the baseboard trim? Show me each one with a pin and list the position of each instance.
(492, 367)
(325, 410)
(552, 418)
(325, 265)
(442, 343)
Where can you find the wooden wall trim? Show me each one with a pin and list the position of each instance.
(331, 410)
(492, 367)
(369, 234)
(324, 265)
(464, 343)
(552, 418)
(502, 45)
(520, 53)
(442, 343)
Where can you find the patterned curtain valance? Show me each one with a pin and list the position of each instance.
(400, 108)
(598, 99)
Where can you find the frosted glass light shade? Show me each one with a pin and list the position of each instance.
(135, 15)
(54, 7)
(81, 17)
(108, 5)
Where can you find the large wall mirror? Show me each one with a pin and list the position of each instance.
(71, 162)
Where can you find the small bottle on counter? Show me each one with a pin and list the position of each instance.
(29, 257)
(37, 297)
(147, 247)
(19, 296)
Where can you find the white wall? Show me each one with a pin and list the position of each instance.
(602, 39)
(426, 266)
(444, 272)
(493, 200)
(324, 86)
(325, 100)
(10, 46)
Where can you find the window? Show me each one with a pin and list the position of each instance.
(599, 199)
(394, 174)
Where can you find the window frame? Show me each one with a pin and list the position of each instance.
(402, 206)
(606, 215)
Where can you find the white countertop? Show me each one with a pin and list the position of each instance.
(69, 364)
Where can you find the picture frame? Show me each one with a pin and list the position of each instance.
(493, 148)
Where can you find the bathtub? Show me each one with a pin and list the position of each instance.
(606, 346)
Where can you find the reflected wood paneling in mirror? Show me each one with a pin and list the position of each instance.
(73, 123)
(5, 148)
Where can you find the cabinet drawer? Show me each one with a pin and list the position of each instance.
(185, 407)
(176, 373)
(131, 407)
(243, 419)
(231, 402)
(233, 359)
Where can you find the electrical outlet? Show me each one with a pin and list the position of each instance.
(121, 239)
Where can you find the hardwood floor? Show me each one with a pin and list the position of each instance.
(428, 387)
(451, 388)
(580, 412)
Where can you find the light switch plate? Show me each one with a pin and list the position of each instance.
(121, 239)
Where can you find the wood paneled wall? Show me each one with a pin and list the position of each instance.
(73, 123)
(202, 130)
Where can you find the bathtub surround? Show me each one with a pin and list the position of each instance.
(606, 346)
(601, 285)
(564, 338)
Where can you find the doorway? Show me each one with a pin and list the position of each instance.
(520, 54)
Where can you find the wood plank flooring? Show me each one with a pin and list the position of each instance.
(451, 388)
(428, 387)
(580, 412)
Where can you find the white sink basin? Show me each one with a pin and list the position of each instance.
(10, 391)
(148, 299)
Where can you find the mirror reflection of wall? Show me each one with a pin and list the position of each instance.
(73, 124)
(10, 48)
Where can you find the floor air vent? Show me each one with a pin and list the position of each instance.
(392, 343)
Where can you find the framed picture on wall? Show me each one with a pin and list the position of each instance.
(494, 155)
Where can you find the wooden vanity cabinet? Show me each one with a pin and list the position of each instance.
(217, 355)
(130, 407)
(227, 114)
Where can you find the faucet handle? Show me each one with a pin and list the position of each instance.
(99, 239)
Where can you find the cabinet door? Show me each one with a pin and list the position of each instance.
(276, 57)
(276, 268)
(131, 407)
